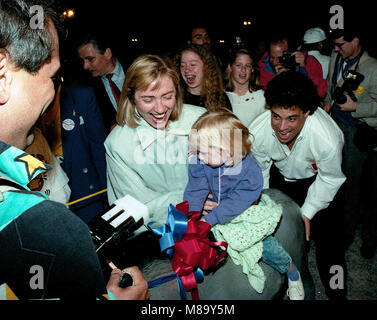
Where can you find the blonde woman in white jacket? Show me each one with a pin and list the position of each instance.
(146, 152)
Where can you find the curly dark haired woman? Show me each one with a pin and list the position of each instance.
(201, 77)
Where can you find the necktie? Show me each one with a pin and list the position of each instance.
(115, 90)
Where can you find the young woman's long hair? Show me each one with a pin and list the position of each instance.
(212, 87)
(254, 78)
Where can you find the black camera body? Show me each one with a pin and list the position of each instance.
(352, 80)
(288, 61)
(113, 229)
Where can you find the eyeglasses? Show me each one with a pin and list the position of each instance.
(339, 45)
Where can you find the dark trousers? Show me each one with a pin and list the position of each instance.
(368, 203)
(47, 252)
(325, 231)
(350, 193)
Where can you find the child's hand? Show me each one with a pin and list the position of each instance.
(209, 204)
(204, 213)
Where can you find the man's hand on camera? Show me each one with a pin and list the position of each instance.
(349, 105)
(300, 58)
(280, 69)
(139, 290)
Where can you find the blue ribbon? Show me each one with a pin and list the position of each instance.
(161, 280)
(174, 229)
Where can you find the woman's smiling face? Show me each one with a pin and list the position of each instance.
(155, 104)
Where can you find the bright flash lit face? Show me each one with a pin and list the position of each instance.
(287, 123)
(242, 68)
(213, 156)
(155, 105)
(192, 71)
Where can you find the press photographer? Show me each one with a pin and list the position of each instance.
(279, 59)
(352, 102)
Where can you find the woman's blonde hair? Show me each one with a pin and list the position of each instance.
(221, 129)
(212, 87)
(146, 69)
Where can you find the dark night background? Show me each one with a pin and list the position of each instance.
(163, 26)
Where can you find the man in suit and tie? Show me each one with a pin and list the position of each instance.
(107, 72)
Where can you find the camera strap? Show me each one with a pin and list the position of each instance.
(354, 66)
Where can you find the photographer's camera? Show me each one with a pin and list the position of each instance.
(352, 80)
(288, 61)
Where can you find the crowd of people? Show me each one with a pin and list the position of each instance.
(307, 124)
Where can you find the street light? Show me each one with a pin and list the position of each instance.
(69, 13)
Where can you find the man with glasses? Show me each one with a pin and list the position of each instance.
(356, 114)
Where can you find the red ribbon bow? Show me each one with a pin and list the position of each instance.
(194, 250)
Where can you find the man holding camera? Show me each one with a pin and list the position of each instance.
(37, 233)
(352, 102)
(278, 59)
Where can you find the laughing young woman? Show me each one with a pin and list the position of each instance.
(201, 78)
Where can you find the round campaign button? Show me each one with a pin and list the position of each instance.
(68, 124)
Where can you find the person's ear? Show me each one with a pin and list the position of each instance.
(356, 41)
(108, 54)
(5, 78)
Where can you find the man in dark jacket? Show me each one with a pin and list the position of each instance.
(45, 250)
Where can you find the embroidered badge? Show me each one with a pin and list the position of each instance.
(33, 165)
